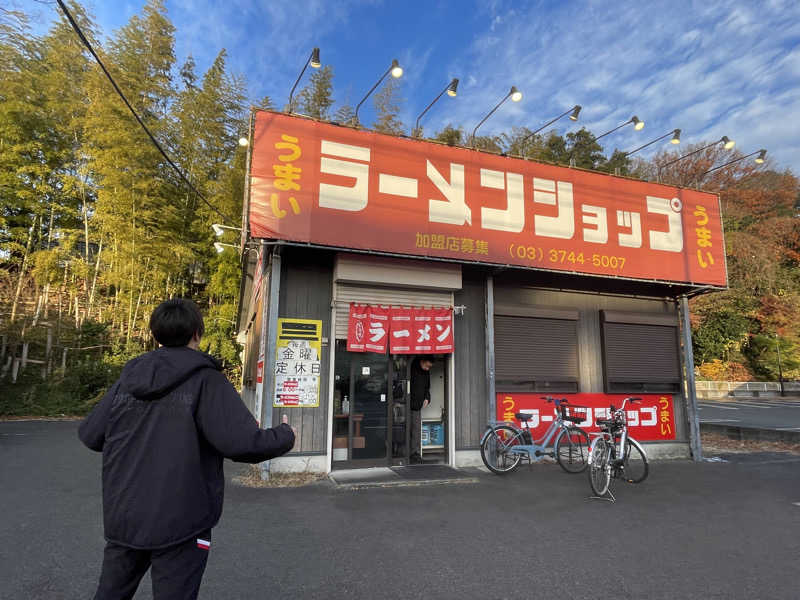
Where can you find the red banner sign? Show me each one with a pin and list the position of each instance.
(652, 420)
(368, 329)
(409, 330)
(442, 330)
(337, 186)
(402, 323)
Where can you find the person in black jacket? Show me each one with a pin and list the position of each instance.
(420, 398)
(164, 428)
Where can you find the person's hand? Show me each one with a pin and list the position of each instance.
(285, 421)
(425, 403)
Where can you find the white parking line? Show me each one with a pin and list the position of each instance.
(719, 406)
(720, 420)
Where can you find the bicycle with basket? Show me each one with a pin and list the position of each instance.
(614, 454)
(504, 445)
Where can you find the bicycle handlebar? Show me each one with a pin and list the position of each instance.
(621, 410)
(632, 400)
(556, 400)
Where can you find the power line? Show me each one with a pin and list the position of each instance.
(133, 112)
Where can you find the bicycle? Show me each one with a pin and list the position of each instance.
(603, 459)
(503, 445)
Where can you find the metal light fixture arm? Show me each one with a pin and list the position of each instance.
(313, 56)
(672, 133)
(633, 119)
(692, 153)
(594, 139)
(450, 85)
(499, 104)
(761, 152)
(372, 89)
(575, 109)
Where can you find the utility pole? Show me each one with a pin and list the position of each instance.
(780, 370)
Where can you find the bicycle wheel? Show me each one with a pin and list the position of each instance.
(572, 449)
(495, 449)
(635, 464)
(599, 468)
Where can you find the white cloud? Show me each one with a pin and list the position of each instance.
(720, 69)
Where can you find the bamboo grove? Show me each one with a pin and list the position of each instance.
(96, 229)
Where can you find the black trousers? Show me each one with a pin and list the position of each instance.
(176, 572)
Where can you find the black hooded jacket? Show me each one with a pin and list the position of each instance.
(420, 385)
(164, 429)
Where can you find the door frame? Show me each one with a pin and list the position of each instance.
(388, 460)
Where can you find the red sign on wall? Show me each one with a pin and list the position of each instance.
(337, 186)
(652, 420)
(409, 330)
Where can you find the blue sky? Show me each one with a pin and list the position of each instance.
(711, 68)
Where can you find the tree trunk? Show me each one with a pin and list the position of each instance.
(48, 352)
(49, 243)
(132, 324)
(22, 270)
(94, 280)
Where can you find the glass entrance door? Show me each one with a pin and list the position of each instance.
(369, 418)
(400, 409)
(371, 409)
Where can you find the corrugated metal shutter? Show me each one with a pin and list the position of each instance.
(535, 354)
(386, 296)
(637, 355)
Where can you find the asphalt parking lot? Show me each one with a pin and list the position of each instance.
(709, 530)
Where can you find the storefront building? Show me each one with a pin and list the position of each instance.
(519, 279)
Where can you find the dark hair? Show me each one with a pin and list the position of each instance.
(174, 322)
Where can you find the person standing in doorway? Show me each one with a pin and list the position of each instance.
(164, 428)
(420, 398)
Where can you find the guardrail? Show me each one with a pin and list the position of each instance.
(708, 390)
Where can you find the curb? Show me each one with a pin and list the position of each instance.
(751, 433)
(401, 483)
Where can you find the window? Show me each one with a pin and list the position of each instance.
(640, 353)
(536, 350)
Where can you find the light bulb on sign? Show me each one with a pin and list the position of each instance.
(397, 70)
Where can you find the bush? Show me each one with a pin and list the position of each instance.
(73, 391)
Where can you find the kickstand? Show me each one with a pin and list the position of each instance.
(609, 497)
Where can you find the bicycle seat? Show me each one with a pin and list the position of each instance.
(523, 417)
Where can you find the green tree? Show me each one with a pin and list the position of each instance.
(450, 135)
(520, 142)
(344, 115)
(583, 149)
(618, 163)
(316, 98)
(387, 107)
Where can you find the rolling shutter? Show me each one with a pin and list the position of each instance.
(383, 296)
(535, 354)
(640, 357)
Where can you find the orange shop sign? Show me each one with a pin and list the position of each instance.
(320, 183)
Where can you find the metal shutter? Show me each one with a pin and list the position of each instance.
(534, 354)
(640, 354)
(385, 296)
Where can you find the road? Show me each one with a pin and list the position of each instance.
(768, 413)
(714, 530)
